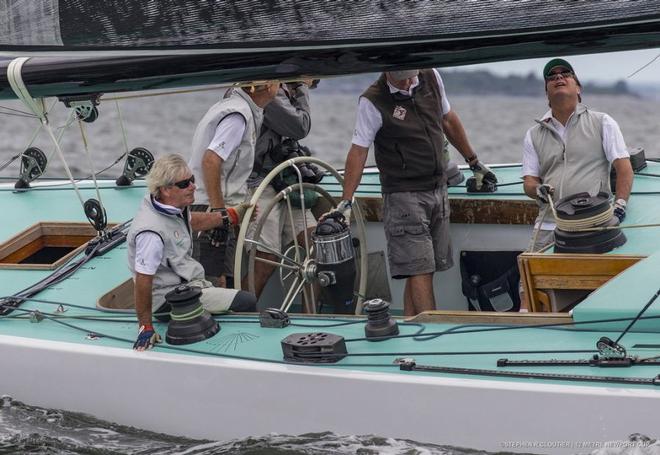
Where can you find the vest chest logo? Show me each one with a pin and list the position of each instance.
(177, 238)
(399, 112)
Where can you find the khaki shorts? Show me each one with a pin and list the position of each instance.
(417, 232)
(277, 229)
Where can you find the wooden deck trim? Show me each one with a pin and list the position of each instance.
(468, 211)
(567, 271)
(39, 235)
(488, 317)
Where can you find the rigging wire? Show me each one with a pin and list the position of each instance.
(91, 166)
(644, 66)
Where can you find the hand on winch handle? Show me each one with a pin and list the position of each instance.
(343, 208)
(620, 209)
(543, 191)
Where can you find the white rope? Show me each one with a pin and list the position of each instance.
(583, 224)
(121, 126)
(15, 78)
(38, 107)
(90, 162)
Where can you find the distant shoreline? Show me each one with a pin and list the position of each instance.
(484, 82)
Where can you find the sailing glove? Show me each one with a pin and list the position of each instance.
(482, 175)
(543, 191)
(147, 338)
(237, 213)
(620, 209)
(343, 208)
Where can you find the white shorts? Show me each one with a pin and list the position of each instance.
(214, 300)
(277, 228)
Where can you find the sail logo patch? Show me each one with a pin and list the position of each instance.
(399, 112)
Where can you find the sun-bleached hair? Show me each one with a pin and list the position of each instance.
(165, 171)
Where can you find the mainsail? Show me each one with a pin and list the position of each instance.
(84, 46)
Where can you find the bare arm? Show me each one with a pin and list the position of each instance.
(212, 169)
(357, 156)
(624, 178)
(142, 293)
(203, 221)
(455, 132)
(529, 185)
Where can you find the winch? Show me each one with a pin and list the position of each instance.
(576, 214)
(190, 322)
(335, 263)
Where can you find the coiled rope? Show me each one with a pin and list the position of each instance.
(584, 224)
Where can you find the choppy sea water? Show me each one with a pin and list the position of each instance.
(495, 126)
(31, 430)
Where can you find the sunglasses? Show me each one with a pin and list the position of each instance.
(555, 76)
(183, 184)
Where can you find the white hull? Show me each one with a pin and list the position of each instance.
(223, 399)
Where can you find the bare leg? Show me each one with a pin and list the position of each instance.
(262, 273)
(418, 294)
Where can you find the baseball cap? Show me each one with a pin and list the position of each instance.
(401, 75)
(554, 63)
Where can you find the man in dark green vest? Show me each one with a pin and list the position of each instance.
(406, 115)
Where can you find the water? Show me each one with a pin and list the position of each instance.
(495, 126)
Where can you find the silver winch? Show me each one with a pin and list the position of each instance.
(335, 263)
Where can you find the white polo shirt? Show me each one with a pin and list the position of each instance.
(369, 120)
(613, 143)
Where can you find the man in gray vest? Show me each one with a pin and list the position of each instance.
(406, 114)
(570, 150)
(287, 116)
(160, 249)
(223, 150)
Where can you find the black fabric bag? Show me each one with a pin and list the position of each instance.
(490, 279)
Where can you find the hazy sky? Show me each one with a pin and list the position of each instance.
(604, 67)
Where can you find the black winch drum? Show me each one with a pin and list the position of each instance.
(190, 322)
(582, 206)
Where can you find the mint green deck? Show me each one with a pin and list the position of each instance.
(241, 336)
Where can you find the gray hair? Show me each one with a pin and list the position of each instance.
(165, 171)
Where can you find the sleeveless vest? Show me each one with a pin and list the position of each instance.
(177, 265)
(577, 165)
(238, 166)
(408, 147)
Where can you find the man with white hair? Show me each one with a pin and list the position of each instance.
(406, 115)
(160, 249)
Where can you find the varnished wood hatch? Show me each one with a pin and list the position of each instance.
(45, 245)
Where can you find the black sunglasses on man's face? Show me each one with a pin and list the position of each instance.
(555, 76)
(183, 184)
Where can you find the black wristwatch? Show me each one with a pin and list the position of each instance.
(223, 214)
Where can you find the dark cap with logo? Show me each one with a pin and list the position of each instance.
(555, 62)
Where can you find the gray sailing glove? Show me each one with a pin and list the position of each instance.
(482, 175)
(344, 208)
(543, 191)
(620, 209)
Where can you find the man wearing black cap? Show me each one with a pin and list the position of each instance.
(406, 115)
(570, 150)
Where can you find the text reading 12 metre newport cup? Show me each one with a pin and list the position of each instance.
(572, 444)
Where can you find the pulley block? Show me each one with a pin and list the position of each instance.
(33, 165)
(138, 164)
